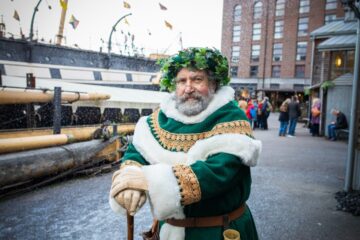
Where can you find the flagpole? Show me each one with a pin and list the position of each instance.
(112, 30)
(60, 36)
(32, 20)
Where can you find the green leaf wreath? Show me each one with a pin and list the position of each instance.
(206, 59)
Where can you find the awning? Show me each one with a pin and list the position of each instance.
(335, 28)
(338, 43)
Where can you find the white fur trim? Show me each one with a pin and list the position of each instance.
(169, 232)
(223, 96)
(146, 144)
(239, 145)
(164, 192)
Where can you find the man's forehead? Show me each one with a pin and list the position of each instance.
(191, 72)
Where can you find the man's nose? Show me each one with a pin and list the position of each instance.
(189, 86)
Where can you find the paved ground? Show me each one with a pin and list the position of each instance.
(292, 198)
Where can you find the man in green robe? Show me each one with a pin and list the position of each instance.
(192, 157)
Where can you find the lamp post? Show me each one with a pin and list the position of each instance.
(113, 30)
(353, 130)
(32, 20)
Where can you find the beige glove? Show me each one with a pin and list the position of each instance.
(131, 200)
(128, 188)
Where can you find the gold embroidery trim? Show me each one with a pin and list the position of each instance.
(183, 142)
(127, 163)
(189, 185)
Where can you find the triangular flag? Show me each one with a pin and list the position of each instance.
(126, 22)
(63, 4)
(162, 7)
(16, 16)
(126, 5)
(168, 25)
(74, 22)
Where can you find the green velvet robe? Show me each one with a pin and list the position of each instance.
(222, 169)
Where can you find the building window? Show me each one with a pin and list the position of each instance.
(254, 70)
(277, 52)
(301, 51)
(280, 8)
(331, 4)
(237, 13)
(304, 6)
(233, 71)
(255, 53)
(258, 10)
(303, 26)
(342, 62)
(330, 18)
(275, 71)
(236, 33)
(256, 31)
(274, 86)
(300, 71)
(55, 73)
(279, 29)
(235, 54)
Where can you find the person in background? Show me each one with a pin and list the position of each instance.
(284, 117)
(315, 117)
(254, 113)
(340, 123)
(243, 105)
(251, 112)
(266, 108)
(191, 159)
(294, 114)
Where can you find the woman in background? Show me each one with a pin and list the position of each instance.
(284, 117)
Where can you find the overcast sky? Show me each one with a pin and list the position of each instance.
(198, 21)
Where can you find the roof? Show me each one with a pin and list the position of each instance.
(338, 43)
(335, 28)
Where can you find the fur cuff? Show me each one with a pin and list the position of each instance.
(239, 145)
(164, 192)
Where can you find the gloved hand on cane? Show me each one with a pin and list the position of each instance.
(128, 188)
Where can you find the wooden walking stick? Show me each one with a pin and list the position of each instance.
(130, 226)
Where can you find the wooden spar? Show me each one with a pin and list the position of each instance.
(26, 143)
(79, 133)
(21, 96)
(30, 165)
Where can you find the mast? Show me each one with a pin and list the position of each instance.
(60, 36)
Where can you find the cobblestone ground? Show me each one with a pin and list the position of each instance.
(292, 198)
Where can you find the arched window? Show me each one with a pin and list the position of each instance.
(237, 13)
(258, 10)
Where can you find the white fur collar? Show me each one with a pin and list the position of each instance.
(239, 145)
(223, 96)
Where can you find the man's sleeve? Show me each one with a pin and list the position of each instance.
(171, 188)
(132, 155)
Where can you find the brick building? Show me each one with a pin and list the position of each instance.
(268, 42)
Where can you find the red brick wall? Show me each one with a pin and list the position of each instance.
(289, 40)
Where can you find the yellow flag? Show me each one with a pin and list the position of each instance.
(126, 22)
(168, 25)
(63, 4)
(126, 5)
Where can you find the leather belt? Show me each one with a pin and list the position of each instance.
(214, 221)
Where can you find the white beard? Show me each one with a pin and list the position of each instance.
(195, 105)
